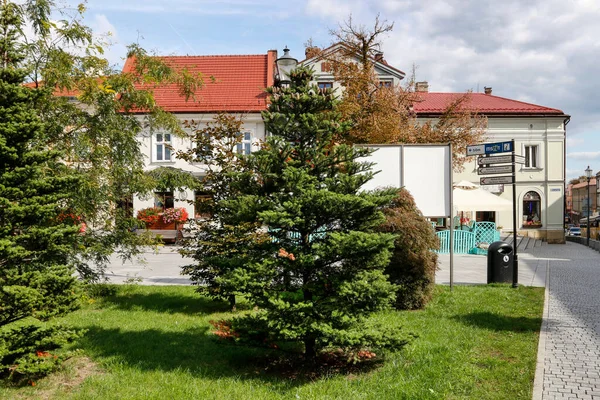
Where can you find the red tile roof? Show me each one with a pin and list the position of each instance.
(57, 92)
(238, 86)
(429, 103)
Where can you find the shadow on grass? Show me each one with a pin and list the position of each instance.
(165, 302)
(488, 320)
(198, 353)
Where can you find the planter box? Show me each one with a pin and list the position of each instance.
(160, 225)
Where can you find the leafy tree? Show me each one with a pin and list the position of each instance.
(39, 234)
(383, 114)
(99, 131)
(315, 271)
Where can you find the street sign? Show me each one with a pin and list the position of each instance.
(498, 169)
(503, 159)
(496, 180)
(475, 150)
(490, 148)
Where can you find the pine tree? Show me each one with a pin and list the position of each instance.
(217, 247)
(315, 270)
(38, 233)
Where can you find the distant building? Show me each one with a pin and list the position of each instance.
(579, 199)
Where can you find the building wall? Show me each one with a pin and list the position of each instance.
(547, 179)
(252, 122)
(579, 195)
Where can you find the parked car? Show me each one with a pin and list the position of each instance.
(569, 227)
(574, 231)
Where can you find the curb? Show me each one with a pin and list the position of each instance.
(538, 382)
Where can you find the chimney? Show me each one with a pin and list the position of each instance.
(422, 87)
(487, 90)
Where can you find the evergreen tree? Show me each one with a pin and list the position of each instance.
(315, 269)
(38, 232)
(217, 247)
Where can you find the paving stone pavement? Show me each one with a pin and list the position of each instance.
(569, 351)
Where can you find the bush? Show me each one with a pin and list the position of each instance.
(25, 351)
(413, 263)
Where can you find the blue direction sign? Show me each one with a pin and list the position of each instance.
(489, 148)
(500, 147)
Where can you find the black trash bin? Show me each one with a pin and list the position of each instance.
(500, 263)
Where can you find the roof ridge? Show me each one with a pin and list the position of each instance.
(214, 55)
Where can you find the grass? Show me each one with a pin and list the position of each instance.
(477, 342)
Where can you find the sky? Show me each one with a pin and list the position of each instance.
(541, 51)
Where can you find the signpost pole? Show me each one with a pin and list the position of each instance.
(451, 221)
(515, 283)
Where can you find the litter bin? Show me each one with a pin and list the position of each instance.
(500, 263)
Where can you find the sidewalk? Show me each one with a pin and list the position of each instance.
(569, 348)
(471, 269)
(156, 268)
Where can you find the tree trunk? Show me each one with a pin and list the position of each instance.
(310, 350)
(231, 300)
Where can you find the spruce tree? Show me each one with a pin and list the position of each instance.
(38, 232)
(315, 269)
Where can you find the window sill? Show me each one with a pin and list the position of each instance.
(532, 226)
(162, 162)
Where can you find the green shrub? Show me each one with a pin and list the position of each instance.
(25, 350)
(413, 263)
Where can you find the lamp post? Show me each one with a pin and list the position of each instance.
(285, 64)
(588, 174)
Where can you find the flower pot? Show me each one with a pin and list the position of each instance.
(160, 225)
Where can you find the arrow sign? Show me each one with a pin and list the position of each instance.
(497, 180)
(498, 169)
(504, 159)
(475, 150)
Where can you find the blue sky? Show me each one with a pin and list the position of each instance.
(540, 51)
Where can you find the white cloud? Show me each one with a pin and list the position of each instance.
(257, 8)
(575, 141)
(585, 155)
(105, 32)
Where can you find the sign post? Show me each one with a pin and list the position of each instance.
(515, 283)
(486, 163)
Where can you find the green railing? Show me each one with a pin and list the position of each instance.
(467, 239)
(464, 241)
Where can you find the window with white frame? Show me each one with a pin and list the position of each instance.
(531, 156)
(245, 145)
(162, 147)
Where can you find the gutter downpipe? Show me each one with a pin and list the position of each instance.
(566, 122)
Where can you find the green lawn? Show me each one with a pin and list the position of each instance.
(477, 342)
